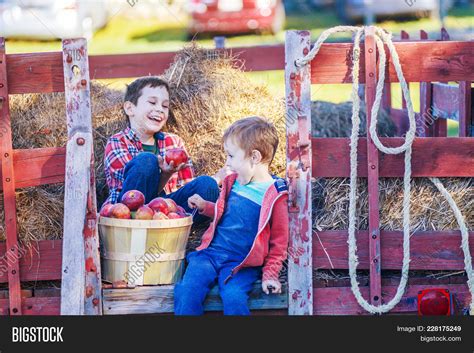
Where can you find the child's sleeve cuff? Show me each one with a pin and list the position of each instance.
(208, 209)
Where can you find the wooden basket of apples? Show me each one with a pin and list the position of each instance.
(143, 244)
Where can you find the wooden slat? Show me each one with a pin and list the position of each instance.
(260, 58)
(35, 306)
(8, 187)
(451, 61)
(440, 157)
(80, 292)
(39, 166)
(341, 301)
(400, 119)
(42, 72)
(428, 250)
(446, 101)
(129, 65)
(466, 118)
(35, 72)
(39, 262)
(372, 169)
(298, 130)
(160, 299)
(404, 36)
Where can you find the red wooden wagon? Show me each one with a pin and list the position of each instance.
(75, 259)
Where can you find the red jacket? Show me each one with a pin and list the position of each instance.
(269, 248)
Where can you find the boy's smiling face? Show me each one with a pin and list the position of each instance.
(151, 112)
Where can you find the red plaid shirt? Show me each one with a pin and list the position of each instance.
(125, 145)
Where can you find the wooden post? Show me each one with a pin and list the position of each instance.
(8, 184)
(425, 122)
(81, 280)
(404, 36)
(298, 134)
(466, 122)
(440, 127)
(373, 171)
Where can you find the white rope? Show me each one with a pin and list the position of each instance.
(381, 38)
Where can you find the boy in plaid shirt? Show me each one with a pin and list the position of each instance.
(134, 157)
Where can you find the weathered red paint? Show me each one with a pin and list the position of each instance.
(90, 265)
(89, 291)
(373, 171)
(8, 187)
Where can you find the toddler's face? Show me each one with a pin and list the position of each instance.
(238, 162)
(152, 110)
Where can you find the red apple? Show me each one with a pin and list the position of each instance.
(172, 206)
(133, 199)
(181, 211)
(121, 211)
(106, 210)
(177, 155)
(173, 215)
(160, 215)
(145, 213)
(159, 205)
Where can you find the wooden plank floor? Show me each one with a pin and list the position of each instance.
(159, 299)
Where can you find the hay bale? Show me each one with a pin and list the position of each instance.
(208, 93)
(335, 120)
(429, 209)
(39, 120)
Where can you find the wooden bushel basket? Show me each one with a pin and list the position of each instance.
(141, 252)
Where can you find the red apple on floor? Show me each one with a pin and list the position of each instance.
(181, 211)
(172, 206)
(106, 210)
(173, 215)
(119, 210)
(159, 215)
(133, 199)
(159, 205)
(177, 155)
(145, 213)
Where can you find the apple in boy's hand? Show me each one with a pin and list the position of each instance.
(159, 215)
(133, 199)
(119, 210)
(106, 210)
(172, 206)
(173, 215)
(177, 155)
(159, 204)
(145, 213)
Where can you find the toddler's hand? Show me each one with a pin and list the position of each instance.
(271, 284)
(169, 168)
(196, 201)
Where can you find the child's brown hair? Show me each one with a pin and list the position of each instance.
(134, 90)
(254, 133)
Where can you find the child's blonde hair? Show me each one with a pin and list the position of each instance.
(254, 133)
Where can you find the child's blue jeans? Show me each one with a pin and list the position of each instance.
(205, 267)
(143, 173)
